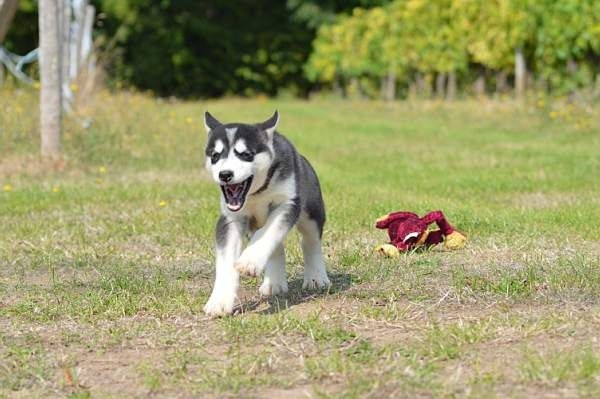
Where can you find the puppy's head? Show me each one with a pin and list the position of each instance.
(238, 156)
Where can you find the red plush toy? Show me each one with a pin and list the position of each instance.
(407, 230)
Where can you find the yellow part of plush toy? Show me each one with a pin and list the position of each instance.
(388, 250)
(455, 240)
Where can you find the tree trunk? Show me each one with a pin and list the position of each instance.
(50, 76)
(479, 85)
(412, 89)
(451, 87)
(501, 82)
(572, 70)
(420, 85)
(8, 8)
(520, 73)
(354, 87)
(440, 85)
(339, 87)
(388, 87)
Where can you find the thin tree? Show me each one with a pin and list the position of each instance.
(50, 75)
(520, 73)
(7, 12)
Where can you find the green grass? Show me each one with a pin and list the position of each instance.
(579, 366)
(106, 256)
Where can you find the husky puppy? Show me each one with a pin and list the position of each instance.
(267, 188)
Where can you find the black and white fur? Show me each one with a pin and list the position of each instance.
(267, 188)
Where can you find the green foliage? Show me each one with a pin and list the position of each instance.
(216, 47)
(561, 42)
(354, 46)
(318, 12)
(567, 33)
(404, 35)
(325, 61)
(208, 48)
(435, 43)
(494, 29)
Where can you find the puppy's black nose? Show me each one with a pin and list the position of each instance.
(225, 176)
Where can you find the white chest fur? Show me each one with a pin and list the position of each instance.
(258, 206)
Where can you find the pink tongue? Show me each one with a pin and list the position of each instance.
(234, 189)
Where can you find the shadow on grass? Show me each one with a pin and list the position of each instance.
(296, 295)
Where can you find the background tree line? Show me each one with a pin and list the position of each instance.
(428, 47)
(370, 48)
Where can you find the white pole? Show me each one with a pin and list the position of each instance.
(50, 77)
(86, 39)
(67, 95)
(520, 70)
(79, 7)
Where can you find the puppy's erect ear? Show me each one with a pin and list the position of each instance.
(270, 124)
(210, 122)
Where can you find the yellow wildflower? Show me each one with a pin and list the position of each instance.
(7, 188)
(162, 203)
(55, 189)
(188, 120)
(102, 169)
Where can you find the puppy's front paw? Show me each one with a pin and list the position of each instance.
(315, 281)
(269, 288)
(248, 268)
(249, 265)
(218, 306)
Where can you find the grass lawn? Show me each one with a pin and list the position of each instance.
(106, 257)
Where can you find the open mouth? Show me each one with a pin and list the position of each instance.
(235, 194)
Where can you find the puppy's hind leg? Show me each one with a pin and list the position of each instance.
(315, 274)
(275, 280)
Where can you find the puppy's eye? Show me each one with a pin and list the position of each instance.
(215, 157)
(245, 155)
